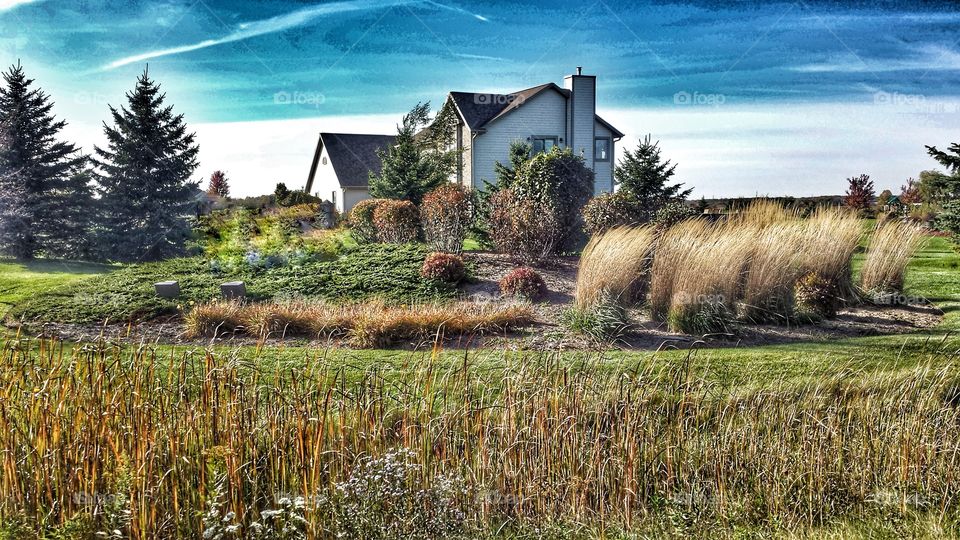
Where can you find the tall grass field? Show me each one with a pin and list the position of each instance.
(130, 443)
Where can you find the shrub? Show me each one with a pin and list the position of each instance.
(361, 221)
(446, 215)
(525, 229)
(817, 297)
(891, 247)
(671, 213)
(616, 264)
(396, 221)
(444, 267)
(523, 282)
(561, 184)
(609, 210)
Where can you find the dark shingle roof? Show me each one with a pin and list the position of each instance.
(354, 156)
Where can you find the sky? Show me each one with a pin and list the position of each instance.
(775, 99)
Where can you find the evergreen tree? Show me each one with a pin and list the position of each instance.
(415, 164)
(519, 154)
(218, 185)
(644, 174)
(54, 198)
(14, 220)
(144, 177)
(949, 159)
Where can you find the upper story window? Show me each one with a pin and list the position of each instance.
(601, 149)
(543, 144)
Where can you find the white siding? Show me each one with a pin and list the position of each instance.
(544, 114)
(603, 170)
(350, 197)
(325, 182)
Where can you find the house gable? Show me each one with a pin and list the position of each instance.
(353, 157)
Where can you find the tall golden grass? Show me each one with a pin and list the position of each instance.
(747, 266)
(613, 265)
(534, 440)
(891, 246)
(368, 324)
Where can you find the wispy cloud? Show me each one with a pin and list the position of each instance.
(10, 4)
(278, 23)
(928, 58)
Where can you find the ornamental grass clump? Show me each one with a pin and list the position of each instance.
(615, 264)
(891, 247)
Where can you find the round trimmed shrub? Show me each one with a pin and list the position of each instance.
(523, 282)
(360, 221)
(609, 210)
(444, 267)
(397, 222)
(525, 229)
(445, 216)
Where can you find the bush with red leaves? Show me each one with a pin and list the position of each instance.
(444, 267)
(523, 282)
(397, 222)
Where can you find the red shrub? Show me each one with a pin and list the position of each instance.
(523, 282)
(524, 228)
(445, 215)
(360, 221)
(396, 221)
(444, 267)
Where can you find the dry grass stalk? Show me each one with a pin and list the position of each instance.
(156, 431)
(614, 263)
(763, 213)
(365, 324)
(830, 239)
(891, 247)
(671, 252)
(773, 270)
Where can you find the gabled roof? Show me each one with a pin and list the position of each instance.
(353, 156)
(479, 109)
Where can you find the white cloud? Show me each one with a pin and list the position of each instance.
(10, 4)
(927, 58)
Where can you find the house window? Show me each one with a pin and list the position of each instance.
(333, 197)
(324, 160)
(601, 149)
(543, 144)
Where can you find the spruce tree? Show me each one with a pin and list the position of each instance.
(53, 196)
(14, 220)
(144, 178)
(414, 165)
(645, 175)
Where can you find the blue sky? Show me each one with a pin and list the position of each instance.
(783, 98)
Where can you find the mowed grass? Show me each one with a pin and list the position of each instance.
(21, 280)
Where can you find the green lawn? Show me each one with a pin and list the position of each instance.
(934, 274)
(22, 280)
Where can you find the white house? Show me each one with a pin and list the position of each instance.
(544, 116)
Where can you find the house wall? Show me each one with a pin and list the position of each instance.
(603, 170)
(350, 197)
(325, 182)
(544, 114)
